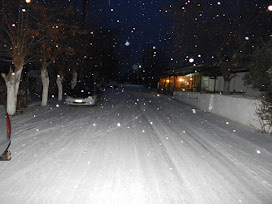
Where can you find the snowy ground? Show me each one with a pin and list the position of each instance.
(134, 147)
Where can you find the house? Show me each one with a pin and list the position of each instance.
(193, 79)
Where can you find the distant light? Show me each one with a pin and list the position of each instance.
(218, 3)
(181, 80)
(28, 1)
(127, 43)
(246, 38)
(269, 8)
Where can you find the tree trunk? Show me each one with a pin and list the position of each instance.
(12, 80)
(60, 88)
(74, 79)
(226, 72)
(45, 82)
(226, 87)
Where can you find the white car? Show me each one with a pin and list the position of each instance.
(84, 93)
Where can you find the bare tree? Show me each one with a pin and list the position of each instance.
(18, 39)
(215, 31)
(56, 29)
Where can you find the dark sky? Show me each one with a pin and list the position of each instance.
(144, 24)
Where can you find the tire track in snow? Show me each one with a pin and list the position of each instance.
(214, 153)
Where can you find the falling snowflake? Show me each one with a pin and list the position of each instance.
(191, 60)
(118, 124)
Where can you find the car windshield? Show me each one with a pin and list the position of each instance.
(84, 89)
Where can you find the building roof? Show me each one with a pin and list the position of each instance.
(183, 70)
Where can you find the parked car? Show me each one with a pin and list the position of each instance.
(84, 93)
(4, 134)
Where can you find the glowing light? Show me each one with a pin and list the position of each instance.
(191, 60)
(167, 80)
(269, 8)
(28, 1)
(127, 43)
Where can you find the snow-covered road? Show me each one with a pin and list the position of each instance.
(134, 147)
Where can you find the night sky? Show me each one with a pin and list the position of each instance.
(143, 24)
